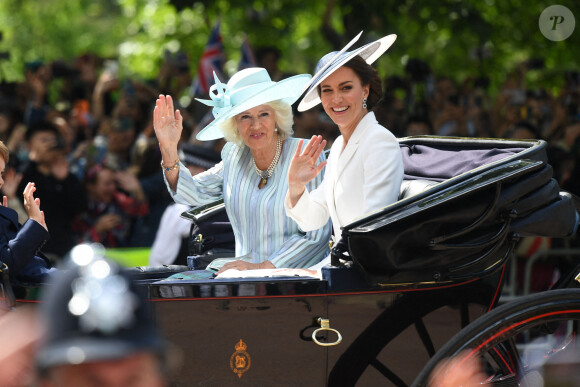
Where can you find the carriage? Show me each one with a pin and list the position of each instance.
(403, 289)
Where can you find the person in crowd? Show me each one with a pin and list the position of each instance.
(116, 137)
(570, 144)
(391, 111)
(174, 75)
(268, 57)
(60, 192)
(523, 130)
(145, 166)
(115, 146)
(365, 165)
(255, 116)
(11, 180)
(452, 119)
(173, 235)
(38, 77)
(98, 328)
(115, 198)
(418, 126)
(447, 112)
(20, 245)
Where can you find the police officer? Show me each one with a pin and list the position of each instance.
(99, 329)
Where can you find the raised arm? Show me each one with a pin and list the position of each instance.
(168, 124)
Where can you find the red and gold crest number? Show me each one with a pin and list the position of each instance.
(240, 361)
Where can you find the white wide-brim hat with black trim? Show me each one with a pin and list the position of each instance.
(332, 61)
(247, 89)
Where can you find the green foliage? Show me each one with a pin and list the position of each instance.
(57, 29)
(448, 34)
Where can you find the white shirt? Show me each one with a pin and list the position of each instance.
(172, 229)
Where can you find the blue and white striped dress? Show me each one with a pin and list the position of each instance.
(261, 227)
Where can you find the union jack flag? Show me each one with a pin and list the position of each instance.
(212, 60)
(247, 59)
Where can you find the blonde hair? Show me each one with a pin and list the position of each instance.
(4, 152)
(282, 115)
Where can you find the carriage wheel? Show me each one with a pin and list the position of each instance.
(519, 342)
(408, 311)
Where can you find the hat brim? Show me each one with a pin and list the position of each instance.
(288, 90)
(90, 350)
(369, 52)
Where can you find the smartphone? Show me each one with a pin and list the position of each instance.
(112, 67)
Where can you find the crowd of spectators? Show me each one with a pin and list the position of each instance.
(421, 103)
(84, 135)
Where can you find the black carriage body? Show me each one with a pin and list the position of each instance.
(422, 268)
(274, 320)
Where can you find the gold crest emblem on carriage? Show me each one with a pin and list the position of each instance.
(240, 361)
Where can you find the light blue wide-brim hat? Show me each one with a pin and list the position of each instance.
(247, 89)
(332, 61)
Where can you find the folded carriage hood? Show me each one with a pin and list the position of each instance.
(490, 192)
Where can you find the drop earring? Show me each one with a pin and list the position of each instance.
(364, 103)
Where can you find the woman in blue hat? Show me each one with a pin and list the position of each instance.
(365, 165)
(254, 115)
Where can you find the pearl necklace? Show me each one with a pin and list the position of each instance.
(265, 175)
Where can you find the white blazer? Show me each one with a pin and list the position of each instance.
(362, 178)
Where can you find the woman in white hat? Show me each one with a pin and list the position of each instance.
(254, 115)
(365, 165)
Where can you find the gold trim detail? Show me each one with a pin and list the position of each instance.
(240, 361)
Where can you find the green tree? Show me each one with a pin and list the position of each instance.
(57, 29)
(458, 38)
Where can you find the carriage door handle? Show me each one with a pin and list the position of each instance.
(325, 326)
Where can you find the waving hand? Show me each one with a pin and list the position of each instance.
(303, 167)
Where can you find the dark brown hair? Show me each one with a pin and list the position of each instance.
(368, 76)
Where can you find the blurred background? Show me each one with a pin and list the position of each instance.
(464, 38)
(93, 70)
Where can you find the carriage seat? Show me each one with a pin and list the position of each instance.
(413, 187)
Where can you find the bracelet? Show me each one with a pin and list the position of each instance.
(174, 166)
